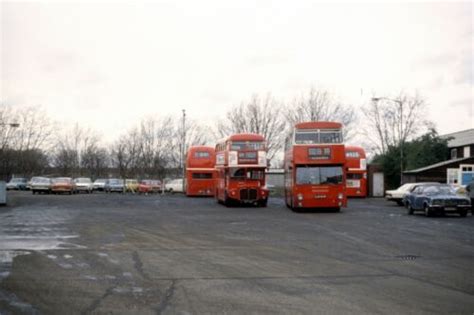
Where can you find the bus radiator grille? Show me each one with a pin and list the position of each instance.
(248, 194)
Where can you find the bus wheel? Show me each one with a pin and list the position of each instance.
(263, 203)
(286, 201)
(227, 201)
(338, 209)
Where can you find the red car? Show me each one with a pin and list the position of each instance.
(63, 185)
(149, 186)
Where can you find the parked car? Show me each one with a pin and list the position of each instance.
(99, 184)
(40, 184)
(131, 185)
(398, 194)
(17, 183)
(175, 185)
(84, 184)
(63, 185)
(114, 185)
(437, 199)
(415, 185)
(147, 186)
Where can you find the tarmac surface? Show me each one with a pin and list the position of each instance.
(112, 253)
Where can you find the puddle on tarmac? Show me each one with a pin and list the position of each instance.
(27, 229)
(6, 260)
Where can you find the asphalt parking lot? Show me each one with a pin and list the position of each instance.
(104, 253)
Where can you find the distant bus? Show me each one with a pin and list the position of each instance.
(356, 177)
(314, 166)
(241, 162)
(200, 171)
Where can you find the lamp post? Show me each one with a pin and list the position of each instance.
(400, 103)
(183, 153)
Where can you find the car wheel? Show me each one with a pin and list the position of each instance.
(410, 209)
(463, 213)
(400, 203)
(428, 211)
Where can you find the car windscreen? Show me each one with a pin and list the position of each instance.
(115, 181)
(317, 175)
(438, 190)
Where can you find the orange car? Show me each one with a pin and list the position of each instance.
(63, 185)
(149, 186)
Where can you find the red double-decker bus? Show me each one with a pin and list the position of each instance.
(356, 176)
(241, 162)
(315, 166)
(200, 171)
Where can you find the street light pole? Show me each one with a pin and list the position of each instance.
(402, 140)
(183, 153)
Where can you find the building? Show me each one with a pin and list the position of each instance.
(461, 144)
(459, 169)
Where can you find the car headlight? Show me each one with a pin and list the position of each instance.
(300, 197)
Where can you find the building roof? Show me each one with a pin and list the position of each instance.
(460, 138)
(429, 167)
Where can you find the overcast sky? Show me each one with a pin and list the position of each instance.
(108, 65)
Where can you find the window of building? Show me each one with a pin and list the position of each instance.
(467, 151)
(454, 153)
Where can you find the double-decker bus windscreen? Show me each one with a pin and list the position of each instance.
(247, 145)
(316, 136)
(247, 173)
(318, 175)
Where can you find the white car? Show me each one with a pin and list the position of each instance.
(84, 184)
(99, 184)
(175, 185)
(398, 195)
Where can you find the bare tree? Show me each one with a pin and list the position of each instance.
(321, 105)
(261, 116)
(156, 136)
(22, 149)
(71, 148)
(392, 121)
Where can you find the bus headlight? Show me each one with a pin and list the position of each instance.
(340, 196)
(300, 197)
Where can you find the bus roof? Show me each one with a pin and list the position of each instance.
(205, 148)
(318, 125)
(246, 137)
(357, 149)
